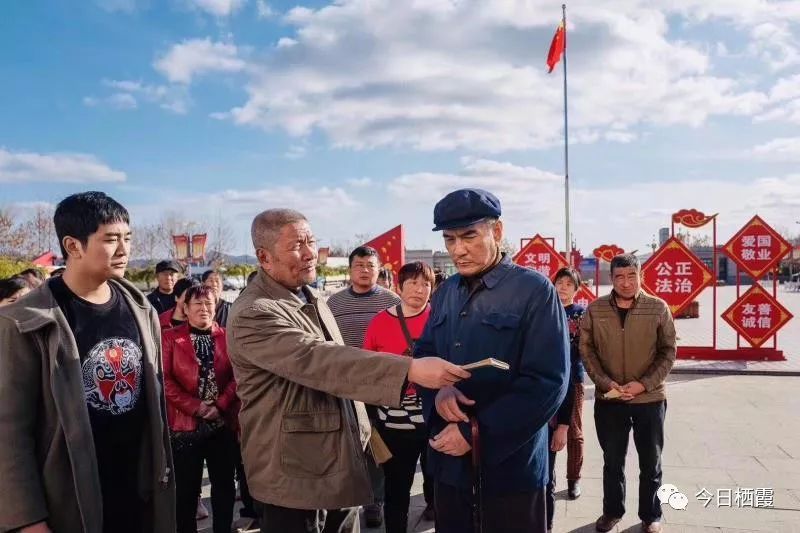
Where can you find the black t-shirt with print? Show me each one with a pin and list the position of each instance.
(112, 369)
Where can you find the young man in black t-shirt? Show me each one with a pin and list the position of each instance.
(83, 440)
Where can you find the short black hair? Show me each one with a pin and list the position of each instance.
(208, 273)
(181, 285)
(571, 273)
(79, 215)
(416, 269)
(11, 286)
(623, 261)
(363, 251)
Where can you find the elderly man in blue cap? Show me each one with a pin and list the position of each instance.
(488, 450)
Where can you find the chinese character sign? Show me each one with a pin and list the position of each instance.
(756, 315)
(757, 248)
(540, 256)
(675, 274)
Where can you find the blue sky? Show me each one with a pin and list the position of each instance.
(362, 113)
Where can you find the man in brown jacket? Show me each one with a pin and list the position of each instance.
(304, 428)
(84, 446)
(628, 345)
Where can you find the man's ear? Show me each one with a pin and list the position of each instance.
(73, 246)
(497, 231)
(264, 258)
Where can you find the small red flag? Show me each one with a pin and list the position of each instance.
(557, 47)
(391, 249)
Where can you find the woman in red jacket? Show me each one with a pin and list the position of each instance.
(201, 409)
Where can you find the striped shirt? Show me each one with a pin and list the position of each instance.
(354, 311)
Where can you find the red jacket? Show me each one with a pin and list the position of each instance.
(165, 320)
(181, 376)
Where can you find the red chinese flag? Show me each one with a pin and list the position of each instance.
(557, 47)
(391, 248)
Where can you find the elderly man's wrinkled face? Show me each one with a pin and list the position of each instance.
(293, 261)
(474, 249)
(627, 281)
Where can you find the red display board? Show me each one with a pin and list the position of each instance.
(757, 248)
(675, 274)
(539, 255)
(756, 315)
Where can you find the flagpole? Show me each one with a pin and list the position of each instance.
(568, 241)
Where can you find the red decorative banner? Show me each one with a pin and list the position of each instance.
(757, 248)
(181, 243)
(584, 296)
(675, 274)
(199, 248)
(691, 218)
(540, 256)
(607, 252)
(756, 315)
(391, 247)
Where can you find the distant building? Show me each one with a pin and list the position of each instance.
(663, 236)
(440, 260)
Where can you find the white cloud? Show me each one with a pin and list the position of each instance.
(383, 73)
(173, 98)
(264, 10)
(195, 57)
(533, 202)
(296, 152)
(786, 149)
(359, 182)
(286, 42)
(218, 8)
(31, 167)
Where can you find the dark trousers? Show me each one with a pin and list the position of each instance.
(551, 485)
(427, 480)
(614, 421)
(406, 448)
(217, 451)
(247, 510)
(575, 437)
(276, 519)
(519, 512)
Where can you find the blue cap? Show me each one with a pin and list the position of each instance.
(465, 207)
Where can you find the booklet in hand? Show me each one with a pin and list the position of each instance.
(612, 394)
(489, 362)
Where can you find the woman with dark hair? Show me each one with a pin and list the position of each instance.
(201, 409)
(395, 330)
(566, 428)
(213, 279)
(12, 289)
(175, 317)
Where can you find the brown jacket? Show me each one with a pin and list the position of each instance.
(302, 437)
(48, 469)
(642, 349)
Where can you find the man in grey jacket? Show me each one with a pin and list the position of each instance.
(304, 428)
(84, 445)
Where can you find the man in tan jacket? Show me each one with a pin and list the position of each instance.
(628, 345)
(304, 428)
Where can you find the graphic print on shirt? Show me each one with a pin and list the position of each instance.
(112, 375)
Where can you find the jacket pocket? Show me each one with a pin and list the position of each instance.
(501, 321)
(310, 443)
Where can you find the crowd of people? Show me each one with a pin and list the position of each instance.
(111, 402)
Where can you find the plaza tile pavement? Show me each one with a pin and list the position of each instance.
(722, 433)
